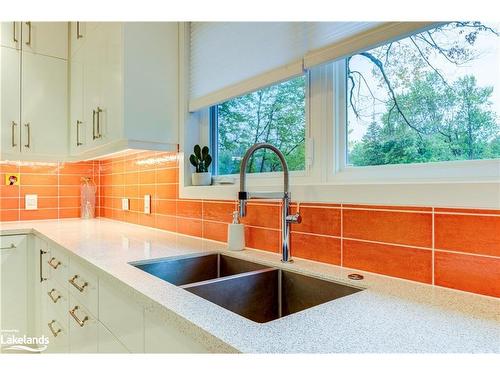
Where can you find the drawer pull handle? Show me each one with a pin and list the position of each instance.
(53, 264)
(42, 253)
(81, 322)
(80, 288)
(54, 299)
(54, 332)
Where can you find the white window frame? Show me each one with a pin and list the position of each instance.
(472, 183)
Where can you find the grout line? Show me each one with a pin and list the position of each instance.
(341, 235)
(433, 246)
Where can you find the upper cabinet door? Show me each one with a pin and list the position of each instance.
(10, 34)
(44, 105)
(79, 34)
(10, 96)
(46, 38)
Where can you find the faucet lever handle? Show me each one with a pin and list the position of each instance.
(295, 218)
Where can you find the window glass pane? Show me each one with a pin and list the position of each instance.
(433, 96)
(275, 115)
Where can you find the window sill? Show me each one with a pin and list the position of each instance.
(436, 194)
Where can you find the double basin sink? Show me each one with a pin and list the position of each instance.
(254, 291)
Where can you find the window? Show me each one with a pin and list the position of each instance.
(275, 114)
(432, 96)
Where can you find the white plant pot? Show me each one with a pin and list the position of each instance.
(201, 179)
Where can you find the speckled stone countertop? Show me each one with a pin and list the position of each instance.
(390, 315)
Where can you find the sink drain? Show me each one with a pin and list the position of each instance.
(355, 276)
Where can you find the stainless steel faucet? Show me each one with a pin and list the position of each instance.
(286, 218)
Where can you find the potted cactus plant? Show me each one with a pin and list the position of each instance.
(201, 160)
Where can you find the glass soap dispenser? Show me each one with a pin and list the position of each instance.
(236, 234)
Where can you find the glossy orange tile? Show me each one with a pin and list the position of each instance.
(318, 220)
(166, 207)
(191, 227)
(262, 239)
(167, 176)
(218, 211)
(405, 228)
(318, 248)
(69, 191)
(70, 179)
(9, 215)
(468, 233)
(166, 223)
(261, 215)
(192, 209)
(38, 179)
(8, 191)
(42, 168)
(403, 262)
(472, 273)
(385, 207)
(215, 231)
(9, 167)
(68, 213)
(169, 191)
(147, 220)
(9, 203)
(43, 214)
(80, 169)
(147, 177)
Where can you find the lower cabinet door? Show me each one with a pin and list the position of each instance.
(14, 284)
(162, 335)
(109, 343)
(83, 329)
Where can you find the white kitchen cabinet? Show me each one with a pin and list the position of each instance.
(10, 34)
(46, 38)
(34, 92)
(122, 314)
(10, 100)
(14, 306)
(108, 343)
(162, 335)
(79, 34)
(43, 106)
(125, 88)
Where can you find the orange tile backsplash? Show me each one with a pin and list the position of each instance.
(56, 184)
(450, 247)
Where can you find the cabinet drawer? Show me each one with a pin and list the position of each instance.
(83, 284)
(83, 329)
(55, 297)
(56, 330)
(58, 264)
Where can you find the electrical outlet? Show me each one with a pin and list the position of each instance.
(31, 202)
(125, 204)
(147, 204)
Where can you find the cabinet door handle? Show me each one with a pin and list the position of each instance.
(42, 252)
(80, 288)
(81, 322)
(99, 110)
(13, 130)
(28, 127)
(56, 298)
(14, 32)
(93, 124)
(10, 247)
(78, 34)
(78, 123)
(53, 264)
(54, 332)
(28, 43)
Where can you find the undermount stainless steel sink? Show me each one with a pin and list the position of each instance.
(195, 268)
(254, 291)
(269, 294)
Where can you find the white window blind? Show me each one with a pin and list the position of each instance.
(228, 59)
